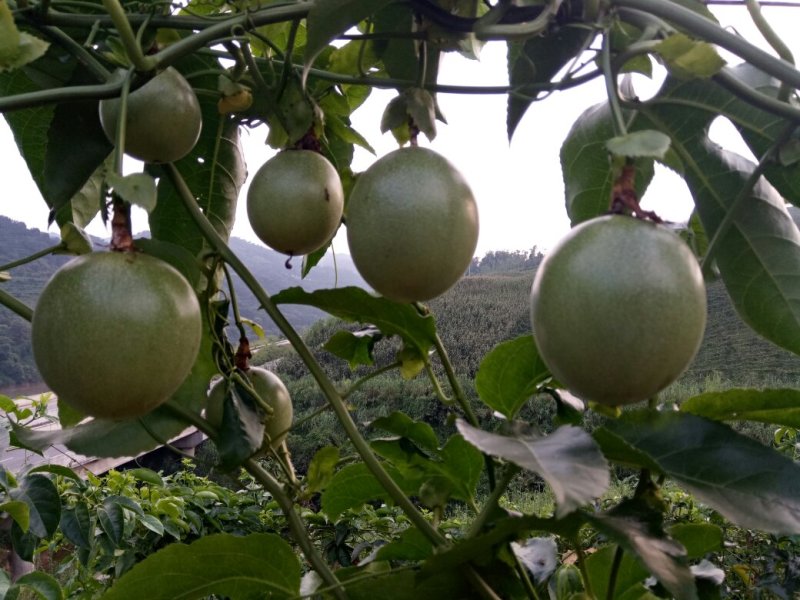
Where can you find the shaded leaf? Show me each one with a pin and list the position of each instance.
(354, 346)
(777, 407)
(76, 525)
(352, 486)
(410, 545)
(227, 565)
(750, 484)
(630, 572)
(402, 425)
(510, 374)
(567, 459)
(111, 521)
(357, 305)
(698, 538)
(41, 584)
(536, 61)
(44, 504)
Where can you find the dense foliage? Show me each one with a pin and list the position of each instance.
(303, 68)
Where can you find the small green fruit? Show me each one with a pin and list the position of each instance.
(412, 225)
(271, 389)
(295, 201)
(618, 309)
(163, 119)
(115, 334)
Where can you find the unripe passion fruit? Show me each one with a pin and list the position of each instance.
(115, 334)
(618, 309)
(295, 201)
(163, 119)
(271, 390)
(412, 225)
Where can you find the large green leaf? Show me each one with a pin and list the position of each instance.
(587, 169)
(510, 374)
(41, 585)
(356, 305)
(257, 565)
(777, 407)
(536, 61)
(750, 484)
(44, 504)
(567, 459)
(759, 254)
(354, 485)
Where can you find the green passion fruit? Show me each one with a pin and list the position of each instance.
(295, 202)
(618, 309)
(115, 334)
(163, 119)
(271, 389)
(412, 225)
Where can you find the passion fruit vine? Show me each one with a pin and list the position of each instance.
(618, 309)
(295, 202)
(412, 225)
(163, 119)
(115, 334)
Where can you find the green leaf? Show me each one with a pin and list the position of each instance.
(536, 61)
(354, 346)
(18, 511)
(777, 407)
(76, 525)
(510, 374)
(75, 239)
(112, 521)
(688, 59)
(42, 585)
(750, 484)
(400, 424)
(146, 475)
(630, 572)
(153, 524)
(588, 172)
(352, 486)
(664, 557)
(699, 539)
(567, 459)
(327, 19)
(137, 188)
(356, 305)
(256, 565)
(647, 143)
(242, 430)
(44, 504)
(411, 545)
(321, 469)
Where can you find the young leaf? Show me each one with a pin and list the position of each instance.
(567, 459)
(510, 374)
(688, 59)
(750, 484)
(137, 188)
(227, 565)
(647, 143)
(777, 407)
(18, 511)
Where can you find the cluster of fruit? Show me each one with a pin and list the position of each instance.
(618, 308)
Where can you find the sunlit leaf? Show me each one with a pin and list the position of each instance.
(777, 407)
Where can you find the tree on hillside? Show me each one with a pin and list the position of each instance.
(131, 339)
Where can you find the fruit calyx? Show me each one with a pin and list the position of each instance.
(625, 200)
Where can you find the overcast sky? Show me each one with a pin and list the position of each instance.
(518, 185)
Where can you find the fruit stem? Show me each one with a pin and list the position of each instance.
(296, 524)
(17, 306)
(121, 235)
(142, 63)
(325, 384)
(237, 318)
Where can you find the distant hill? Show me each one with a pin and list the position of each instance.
(16, 361)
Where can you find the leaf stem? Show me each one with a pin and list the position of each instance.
(32, 257)
(15, 305)
(612, 577)
(773, 39)
(610, 76)
(141, 63)
(492, 501)
(327, 387)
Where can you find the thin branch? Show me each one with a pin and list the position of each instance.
(15, 305)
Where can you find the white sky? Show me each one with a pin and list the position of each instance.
(518, 186)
